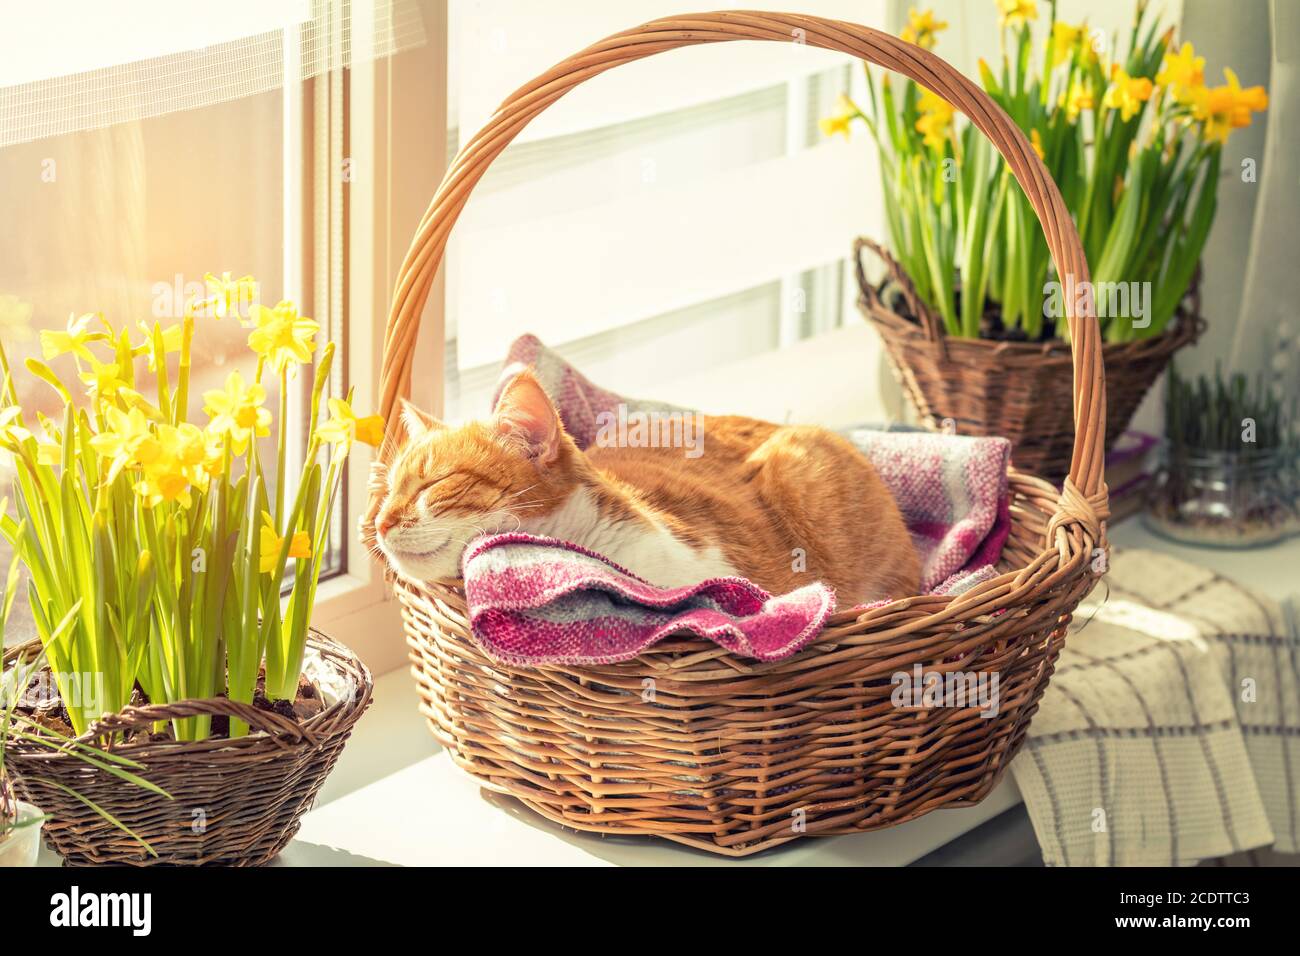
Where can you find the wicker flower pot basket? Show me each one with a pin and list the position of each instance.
(727, 754)
(234, 802)
(1019, 390)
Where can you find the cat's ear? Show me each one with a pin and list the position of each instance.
(524, 417)
(417, 423)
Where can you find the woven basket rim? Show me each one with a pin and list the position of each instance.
(342, 713)
(1187, 327)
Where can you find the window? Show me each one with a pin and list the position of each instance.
(195, 141)
(664, 219)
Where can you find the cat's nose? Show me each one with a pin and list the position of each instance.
(384, 524)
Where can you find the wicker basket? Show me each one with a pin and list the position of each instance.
(1019, 390)
(727, 754)
(233, 802)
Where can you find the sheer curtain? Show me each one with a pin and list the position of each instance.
(1266, 339)
(73, 65)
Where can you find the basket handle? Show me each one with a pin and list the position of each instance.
(930, 323)
(1084, 495)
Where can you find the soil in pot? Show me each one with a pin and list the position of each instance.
(991, 326)
(49, 712)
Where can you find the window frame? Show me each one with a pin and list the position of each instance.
(396, 99)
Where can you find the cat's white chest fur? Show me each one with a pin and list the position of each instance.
(649, 551)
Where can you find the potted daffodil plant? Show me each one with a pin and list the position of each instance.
(20, 822)
(173, 562)
(971, 310)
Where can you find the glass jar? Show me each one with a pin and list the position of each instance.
(21, 845)
(1226, 499)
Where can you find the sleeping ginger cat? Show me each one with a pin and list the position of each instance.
(758, 495)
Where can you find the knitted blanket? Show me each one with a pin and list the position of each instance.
(540, 601)
(537, 601)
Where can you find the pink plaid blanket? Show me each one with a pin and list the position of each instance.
(541, 601)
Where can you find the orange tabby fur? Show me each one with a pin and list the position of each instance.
(758, 497)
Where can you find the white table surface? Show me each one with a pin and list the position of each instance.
(1274, 570)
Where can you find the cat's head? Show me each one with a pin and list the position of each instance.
(448, 485)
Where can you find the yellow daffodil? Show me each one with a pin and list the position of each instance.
(127, 439)
(1222, 109)
(1066, 40)
(158, 485)
(282, 337)
(103, 380)
(236, 410)
(186, 444)
(214, 454)
(134, 400)
(15, 319)
(1079, 98)
(177, 467)
(921, 28)
(1183, 73)
(225, 296)
(72, 339)
(48, 453)
(271, 543)
(192, 448)
(344, 427)
(839, 123)
(12, 432)
(1036, 142)
(172, 337)
(1016, 12)
(1126, 93)
(935, 121)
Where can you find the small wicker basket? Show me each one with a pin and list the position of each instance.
(727, 754)
(1019, 390)
(233, 802)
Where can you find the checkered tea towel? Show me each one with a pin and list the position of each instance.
(1168, 734)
